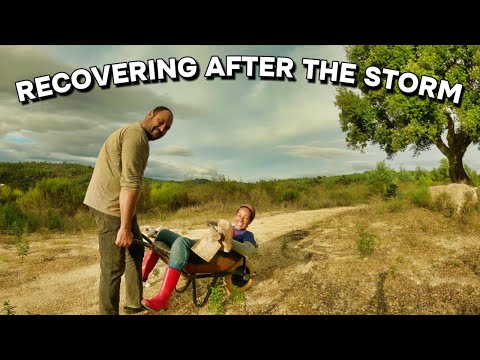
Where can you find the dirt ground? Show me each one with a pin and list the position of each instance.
(349, 260)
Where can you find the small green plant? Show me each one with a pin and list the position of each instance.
(393, 270)
(216, 301)
(330, 297)
(8, 308)
(237, 296)
(21, 243)
(365, 242)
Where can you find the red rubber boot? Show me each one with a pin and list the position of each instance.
(149, 261)
(160, 301)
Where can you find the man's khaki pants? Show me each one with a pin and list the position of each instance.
(115, 261)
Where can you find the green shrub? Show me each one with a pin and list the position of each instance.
(365, 242)
(60, 194)
(10, 214)
(420, 196)
(383, 180)
(9, 195)
(169, 196)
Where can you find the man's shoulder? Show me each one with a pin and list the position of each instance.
(134, 129)
(128, 127)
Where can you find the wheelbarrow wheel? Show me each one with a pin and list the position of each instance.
(238, 281)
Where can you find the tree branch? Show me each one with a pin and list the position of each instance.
(445, 150)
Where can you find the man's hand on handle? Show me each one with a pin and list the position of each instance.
(124, 238)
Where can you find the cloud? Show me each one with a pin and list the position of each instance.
(167, 171)
(119, 103)
(174, 151)
(243, 129)
(314, 151)
(360, 165)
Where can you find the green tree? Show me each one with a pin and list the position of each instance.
(395, 121)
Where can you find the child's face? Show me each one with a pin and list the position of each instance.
(242, 219)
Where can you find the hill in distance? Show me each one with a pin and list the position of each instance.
(22, 175)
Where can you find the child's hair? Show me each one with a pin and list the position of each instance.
(251, 208)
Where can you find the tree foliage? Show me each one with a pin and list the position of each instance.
(397, 122)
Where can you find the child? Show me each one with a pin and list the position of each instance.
(243, 242)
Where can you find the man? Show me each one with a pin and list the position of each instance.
(112, 196)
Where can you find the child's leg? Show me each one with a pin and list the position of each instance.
(167, 237)
(151, 257)
(180, 252)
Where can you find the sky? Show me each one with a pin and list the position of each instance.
(241, 129)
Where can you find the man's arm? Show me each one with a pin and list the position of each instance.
(128, 201)
(134, 157)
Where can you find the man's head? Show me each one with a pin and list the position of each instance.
(158, 122)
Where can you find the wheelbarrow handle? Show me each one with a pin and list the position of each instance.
(149, 244)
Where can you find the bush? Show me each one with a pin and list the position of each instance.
(420, 196)
(10, 216)
(57, 193)
(9, 195)
(169, 196)
(383, 180)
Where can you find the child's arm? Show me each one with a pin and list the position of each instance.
(246, 248)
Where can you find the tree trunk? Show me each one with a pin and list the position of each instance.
(456, 170)
(458, 143)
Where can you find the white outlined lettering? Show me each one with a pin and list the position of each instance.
(343, 73)
(265, 67)
(269, 67)
(409, 83)
(120, 74)
(55, 83)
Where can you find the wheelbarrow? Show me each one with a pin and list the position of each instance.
(237, 271)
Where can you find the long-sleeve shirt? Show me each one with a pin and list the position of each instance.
(243, 241)
(120, 163)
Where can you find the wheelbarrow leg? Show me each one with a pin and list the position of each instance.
(185, 287)
(207, 295)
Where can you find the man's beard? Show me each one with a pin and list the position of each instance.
(150, 137)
